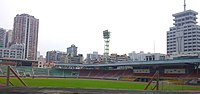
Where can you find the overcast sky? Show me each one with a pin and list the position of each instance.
(134, 24)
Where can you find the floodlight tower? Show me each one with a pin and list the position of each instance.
(106, 37)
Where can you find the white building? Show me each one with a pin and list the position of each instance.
(184, 37)
(146, 56)
(15, 51)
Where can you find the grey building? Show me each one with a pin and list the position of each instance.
(72, 51)
(9, 34)
(75, 59)
(56, 56)
(2, 38)
(93, 58)
(184, 36)
(26, 32)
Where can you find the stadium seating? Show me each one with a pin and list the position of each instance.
(90, 73)
(40, 72)
(84, 73)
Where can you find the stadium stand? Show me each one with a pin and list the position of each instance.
(142, 71)
(40, 72)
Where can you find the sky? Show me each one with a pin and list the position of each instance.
(135, 25)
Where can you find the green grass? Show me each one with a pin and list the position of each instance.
(89, 83)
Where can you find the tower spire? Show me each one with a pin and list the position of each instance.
(184, 5)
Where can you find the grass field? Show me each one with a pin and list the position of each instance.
(91, 83)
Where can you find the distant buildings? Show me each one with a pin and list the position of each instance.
(14, 52)
(94, 58)
(72, 51)
(9, 35)
(184, 37)
(56, 56)
(78, 59)
(2, 38)
(72, 56)
(118, 58)
(64, 57)
(26, 32)
(41, 62)
(146, 56)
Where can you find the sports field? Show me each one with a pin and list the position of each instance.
(91, 83)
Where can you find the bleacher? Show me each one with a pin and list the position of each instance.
(40, 72)
(62, 73)
(92, 73)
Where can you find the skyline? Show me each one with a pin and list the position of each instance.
(81, 20)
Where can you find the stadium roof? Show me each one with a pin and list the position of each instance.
(13, 59)
(135, 63)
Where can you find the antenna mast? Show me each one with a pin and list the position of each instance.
(184, 5)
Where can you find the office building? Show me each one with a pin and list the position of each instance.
(184, 37)
(26, 32)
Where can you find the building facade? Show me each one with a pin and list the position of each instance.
(41, 62)
(56, 56)
(2, 38)
(184, 36)
(118, 58)
(75, 59)
(141, 56)
(14, 52)
(94, 57)
(72, 51)
(26, 32)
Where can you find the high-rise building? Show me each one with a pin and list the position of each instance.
(8, 38)
(2, 38)
(184, 36)
(72, 51)
(26, 32)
